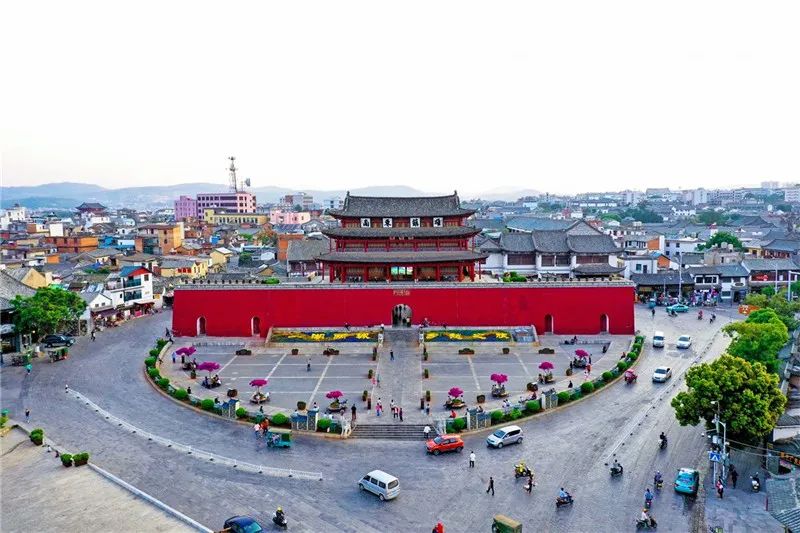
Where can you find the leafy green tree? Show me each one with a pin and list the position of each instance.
(611, 216)
(723, 237)
(711, 217)
(768, 291)
(756, 299)
(50, 310)
(750, 400)
(642, 214)
(759, 341)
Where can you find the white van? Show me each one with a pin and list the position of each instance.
(386, 486)
(658, 339)
(503, 436)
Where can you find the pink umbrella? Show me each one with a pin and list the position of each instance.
(258, 383)
(499, 378)
(455, 392)
(209, 366)
(582, 353)
(334, 395)
(546, 365)
(186, 350)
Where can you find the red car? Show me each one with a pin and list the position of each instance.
(445, 443)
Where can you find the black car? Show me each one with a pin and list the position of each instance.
(58, 340)
(242, 524)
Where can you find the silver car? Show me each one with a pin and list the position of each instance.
(662, 374)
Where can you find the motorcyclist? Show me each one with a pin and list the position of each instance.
(658, 479)
(663, 439)
(520, 469)
(616, 468)
(563, 495)
(648, 498)
(279, 516)
(647, 519)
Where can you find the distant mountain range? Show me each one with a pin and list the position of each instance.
(67, 195)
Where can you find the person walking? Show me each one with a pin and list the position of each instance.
(308, 365)
(426, 432)
(472, 459)
(400, 413)
(529, 486)
(653, 312)
(491, 486)
(92, 335)
(428, 408)
(353, 413)
(28, 369)
(720, 487)
(734, 476)
(174, 359)
(27, 415)
(391, 355)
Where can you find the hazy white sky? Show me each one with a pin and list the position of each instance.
(558, 96)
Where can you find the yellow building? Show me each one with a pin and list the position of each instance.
(220, 256)
(184, 267)
(30, 276)
(170, 236)
(210, 216)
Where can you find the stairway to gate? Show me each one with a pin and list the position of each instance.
(398, 431)
(407, 337)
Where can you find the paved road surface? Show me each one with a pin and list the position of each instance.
(567, 448)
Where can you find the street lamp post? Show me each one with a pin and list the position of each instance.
(717, 423)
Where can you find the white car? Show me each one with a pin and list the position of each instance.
(684, 341)
(662, 374)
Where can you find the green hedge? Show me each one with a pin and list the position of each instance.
(279, 419)
(608, 376)
(533, 406)
(622, 366)
(66, 459)
(459, 424)
(154, 352)
(150, 362)
(153, 373)
(497, 416)
(181, 394)
(163, 383)
(587, 387)
(323, 424)
(207, 404)
(563, 397)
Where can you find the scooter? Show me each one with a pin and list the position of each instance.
(755, 483)
(644, 524)
(521, 470)
(564, 501)
(616, 471)
(280, 522)
(659, 484)
(648, 503)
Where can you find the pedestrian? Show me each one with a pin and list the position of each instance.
(428, 408)
(590, 359)
(391, 355)
(400, 413)
(27, 415)
(92, 335)
(653, 312)
(28, 369)
(378, 378)
(472, 459)
(491, 486)
(571, 365)
(256, 431)
(720, 487)
(569, 385)
(529, 485)
(353, 413)
(734, 476)
(426, 432)
(308, 365)
(189, 391)
(374, 382)
(66, 388)
(166, 332)
(174, 358)
(378, 410)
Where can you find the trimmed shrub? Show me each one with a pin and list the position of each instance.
(364, 396)
(480, 398)
(323, 424)
(425, 355)
(370, 373)
(207, 404)
(271, 281)
(66, 459)
(426, 373)
(497, 416)
(181, 394)
(154, 352)
(607, 376)
(575, 395)
(515, 414)
(563, 397)
(80, 459)
(622, 366)
(150, 362)
(241, 413)
(37, 436)
(533, 406)
(3, 421)
(153, 373)
(587, 387)
(547, 350)
(163, 382)
(633, 356)
(279, 419)
(160, 343)
(569, 371)
(427, 395)
(459, 424)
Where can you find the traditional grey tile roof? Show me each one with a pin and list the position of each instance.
(99, 253)
(662, 278)
(18, 273)
(782, 500)
(445, 231)
(306, 249)
(703, 270)
(517, 242)
(597, 268)
(91, 205)
(734, 270)
(490, 224)
(413, 206)
(537, 223)
(401, 257)
(9, 288)
(769, 264)
(597, 244)
(782, 245)
(485, 244)
(550, 241)
(177, 263)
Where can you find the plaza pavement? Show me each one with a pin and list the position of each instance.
(569, 447)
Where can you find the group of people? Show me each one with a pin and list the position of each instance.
(213, 382)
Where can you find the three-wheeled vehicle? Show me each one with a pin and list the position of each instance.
(630, 377)
(504, 524)
(278, 437)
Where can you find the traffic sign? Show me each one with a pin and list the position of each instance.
(715, 456)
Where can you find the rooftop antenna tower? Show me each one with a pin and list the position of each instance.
(232, 171)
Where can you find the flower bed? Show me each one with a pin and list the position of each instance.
(325, 336)
(467, 335)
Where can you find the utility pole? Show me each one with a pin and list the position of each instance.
(724, 447)
(232, 171)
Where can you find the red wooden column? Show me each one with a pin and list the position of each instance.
(472, 271)
(366, 273)
(438, 275)
(460, 272)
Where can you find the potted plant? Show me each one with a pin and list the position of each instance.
(66, 459)
(258, 396)
(454, 400)
(426, 373)
(364, 396)
(295, 351)
(569, 371)
(499, 389)
(506, 350)
(37, 436)
(80, 459)
(427, 395)
(480, 398)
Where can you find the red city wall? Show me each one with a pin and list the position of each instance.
(574, 310)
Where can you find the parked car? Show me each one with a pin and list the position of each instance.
(684, 341)
(445, 443)
(658, 339)
(687, 481)
(378, 482)
(506, 435)
(58, 340)
(678, 308)
(242, 524)
(662, 374)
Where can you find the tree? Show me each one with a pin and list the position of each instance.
(760, 340)
(50, 310)
(642, 214)
(711, 217)
(720, 238)
(768, 291)
(750, 400)
(610, 216)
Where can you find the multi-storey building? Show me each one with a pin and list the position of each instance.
(233, 202)
(75, 244)
(185, 207)
(159, 238)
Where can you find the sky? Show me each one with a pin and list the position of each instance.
(475, 96)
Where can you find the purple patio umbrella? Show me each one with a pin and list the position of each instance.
(499, 378)
(208, 366)
(455, 392)
(186, 350)
(581, 353)
(546, 365)
(334, 395)
(258, 383)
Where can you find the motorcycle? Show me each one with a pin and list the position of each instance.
(644, 524)
(662, 443)
(280, 521)
(755, 483)
(616, 471)
(659, 484)
(564, 501)
(520, 470)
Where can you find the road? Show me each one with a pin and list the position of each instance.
(568, 447)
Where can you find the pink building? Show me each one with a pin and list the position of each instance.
(185, 207)
(232, 202)
(282, 216)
